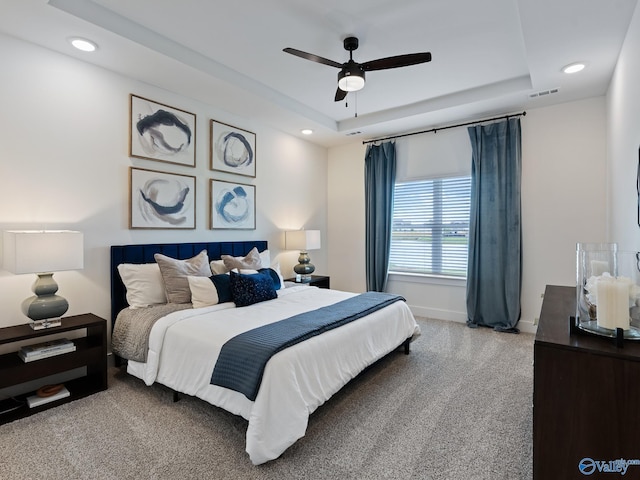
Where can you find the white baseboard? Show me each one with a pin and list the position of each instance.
(461, 317)
(527, 327)
(449, 315)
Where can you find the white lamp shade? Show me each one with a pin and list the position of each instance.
(38, 251)
(302, 240)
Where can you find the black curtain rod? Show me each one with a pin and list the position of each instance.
(434, 130)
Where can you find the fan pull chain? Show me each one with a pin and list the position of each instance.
(346, 104)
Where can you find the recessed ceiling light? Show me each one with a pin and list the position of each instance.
(83, 44)
(306, 131)
(573, 67)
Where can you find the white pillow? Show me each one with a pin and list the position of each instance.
(217, 267)
(265, 258)
(203, 292)
(144, 284)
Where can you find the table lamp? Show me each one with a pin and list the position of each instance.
(43, 252)
(303, 240)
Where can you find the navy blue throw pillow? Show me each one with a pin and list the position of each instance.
(223, 286)
(274, 276)
(249, 289)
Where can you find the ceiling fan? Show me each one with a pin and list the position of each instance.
(351, 74)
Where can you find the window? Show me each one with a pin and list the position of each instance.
(430, 230)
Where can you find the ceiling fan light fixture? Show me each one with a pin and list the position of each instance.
(351, 79)
(351, 75)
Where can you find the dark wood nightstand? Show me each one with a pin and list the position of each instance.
(91, 352)
(320, 281)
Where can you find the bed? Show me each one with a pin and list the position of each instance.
(184, 346)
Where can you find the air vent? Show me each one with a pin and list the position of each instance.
(543, 93)
(353, 133)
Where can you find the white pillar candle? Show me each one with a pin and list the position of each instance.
(613, 303)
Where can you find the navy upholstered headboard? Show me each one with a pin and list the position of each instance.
(144, 254)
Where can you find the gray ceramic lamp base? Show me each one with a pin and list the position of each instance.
(45, 308)
(304, 267)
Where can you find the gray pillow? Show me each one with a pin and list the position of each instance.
(251, 261)
(175, 272)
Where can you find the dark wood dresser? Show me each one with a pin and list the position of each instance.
(586, 398)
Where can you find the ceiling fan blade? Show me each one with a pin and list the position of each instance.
(340, 95)
(397, 61)
(312, 57)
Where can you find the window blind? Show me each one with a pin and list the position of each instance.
(430, 229)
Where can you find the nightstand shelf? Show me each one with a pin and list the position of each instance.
(91, 352)
(320, 281)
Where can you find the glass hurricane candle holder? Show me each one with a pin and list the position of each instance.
(607, 290)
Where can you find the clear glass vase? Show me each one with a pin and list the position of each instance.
(607, 290)
(592, 260)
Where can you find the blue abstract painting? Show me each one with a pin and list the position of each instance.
(160, 132)
(161, 200)
(233, 205)
(232, 149)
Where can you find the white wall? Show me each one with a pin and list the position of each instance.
(346, 225)
(563, 193)
(563, 202)
(64, 164)
(623, 134)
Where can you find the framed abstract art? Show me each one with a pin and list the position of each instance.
(161, 200)
(160, 132)
(232, 149)
(232, 205)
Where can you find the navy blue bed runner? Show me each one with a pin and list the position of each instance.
(242, 359)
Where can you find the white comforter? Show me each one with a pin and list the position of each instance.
(184, 347)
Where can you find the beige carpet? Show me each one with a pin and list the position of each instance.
(458, 407)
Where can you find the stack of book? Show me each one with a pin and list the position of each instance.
(51, 348)
(37, 400)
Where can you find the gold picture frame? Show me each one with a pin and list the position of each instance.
(232, 149)
(232, 205)
(160, 132)
(161, 200)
